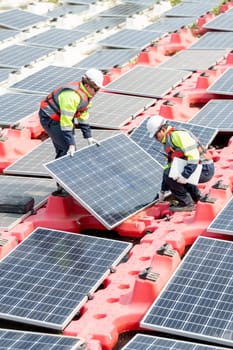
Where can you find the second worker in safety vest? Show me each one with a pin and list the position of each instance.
(67, 106)
(182, 144)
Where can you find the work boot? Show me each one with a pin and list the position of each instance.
(179, 207)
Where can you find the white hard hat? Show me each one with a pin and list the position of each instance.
(96, 76)
(154, 123)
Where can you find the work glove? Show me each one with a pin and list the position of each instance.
(181, 180)
(92, 141)
(71, 151)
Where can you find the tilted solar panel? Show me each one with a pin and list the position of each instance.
(116, 179)
(224, 84)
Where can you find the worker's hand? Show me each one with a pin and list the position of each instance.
(181, 180)
(92, 141)
(71, 150)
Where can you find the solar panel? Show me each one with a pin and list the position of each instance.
(224, 84)
(49, 275)
(24, 106)
(31, 164)
(39, 189)
(124, 10)
(20, 19)
(13, 340)
(186, 9)
(61, 11)
(18, 56)
(6, 34)
(223, 221)
(170, 24)
(213, 41)
(114, 110)
(56, 38)
(217, 114)
(78, 2)
(109, 58)
(148, 81)
(47, 79)
(194, 60)
(4, 74)
(197, 301)
(130, 39)
(149, 342)
(99, 23)
(122, 179)
(147, 2)
(221, 22)
(156, 150)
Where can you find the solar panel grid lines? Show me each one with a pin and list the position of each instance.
(6, 34)
(4, 74)
(47, 79)
(213, 41)
(224, 84)
(39, 189)
(197, 300)
(14, 339)
(152, 82)
(221, 22)
(130, 39)
(124, 10)
(222, 223)
(156, 150)
(118, 187)
(149, 342)
(170, 24)
(32, 163)
(185, 9)
(100, 23)
(216, 113)
(56, 38)
(113, 111)
(194, 60)
(106, 59)
(20, 19)
(48, 276)
(24, 106)
(19, 56)
(61, 11)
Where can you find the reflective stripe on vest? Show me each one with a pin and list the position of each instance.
(173, 151)
(51, 104)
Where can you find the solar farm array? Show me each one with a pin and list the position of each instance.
(109, 258)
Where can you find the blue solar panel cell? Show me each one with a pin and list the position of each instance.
(216, 114)
(48, 277)
(223, 222)
(224, 84)
(118, 187)
(197, 301)
(19, 340)
(148, 342)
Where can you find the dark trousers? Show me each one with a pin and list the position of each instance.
(54, 131)
(187, 193)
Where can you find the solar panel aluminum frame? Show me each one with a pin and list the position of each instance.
(85, 205)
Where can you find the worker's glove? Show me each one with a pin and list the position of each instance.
(181, 180)
(92, 141)
(71, 151)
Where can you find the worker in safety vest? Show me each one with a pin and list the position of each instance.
(66, 107)
(181, 144)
